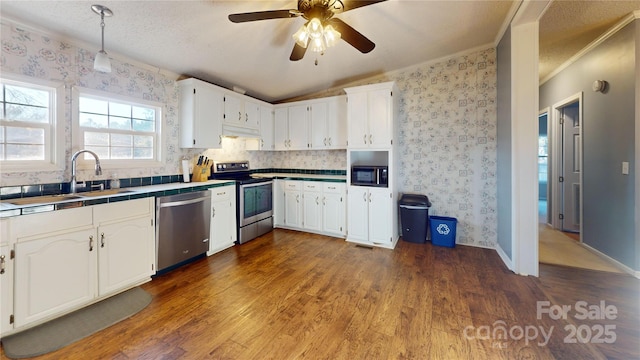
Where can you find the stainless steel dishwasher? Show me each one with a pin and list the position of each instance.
(182, 228)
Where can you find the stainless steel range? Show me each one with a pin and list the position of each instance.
(254, 199)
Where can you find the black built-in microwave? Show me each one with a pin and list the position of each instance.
(370, 176)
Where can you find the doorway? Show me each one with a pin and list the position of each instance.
(543, 167)
(570, 173)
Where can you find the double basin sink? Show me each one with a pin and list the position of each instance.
(64, 197)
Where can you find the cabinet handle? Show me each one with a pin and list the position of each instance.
(364, 196)
(325, 141)
(90, 242)
(222, 193)
(297, 198)
(239, 116)
(324, 201)
(101, 240)
(369, 197)
(317, 201)
(370, 141)
(246, 117)
(219, 140)
(2, 264)
(262, 143)
(213, 212)
(365, 138)
(329, 141)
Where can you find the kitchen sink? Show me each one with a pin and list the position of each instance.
(43, 199)
(104, 192)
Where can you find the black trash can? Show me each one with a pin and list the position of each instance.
(414, 217)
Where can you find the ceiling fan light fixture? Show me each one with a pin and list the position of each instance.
(315, 28)
(302, 36)
(317, 45)
(331, 36)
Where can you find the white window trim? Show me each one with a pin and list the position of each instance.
(110, 164)
(55, 138)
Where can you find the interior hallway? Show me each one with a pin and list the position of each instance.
(559, 248)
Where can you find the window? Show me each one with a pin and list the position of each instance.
(119, 131)
(28, 125)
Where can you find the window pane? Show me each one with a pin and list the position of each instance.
(93, 138)
(93, 106)
(22, 95)
(94, 121)
(25, 152)
(119, 123)
(1, 134)
(121, 153)
(144, 113)
(116, 109)
(144, 125)
(20, 135)
(101, 151)
(121, 140)
(143, 153)
(27, 113)
(143, 141)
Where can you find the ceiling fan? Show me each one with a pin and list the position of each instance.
(321, 30)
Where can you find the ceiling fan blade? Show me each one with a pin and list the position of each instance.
(352, 36)
(297, 53)
(262, 15)
(354, 4)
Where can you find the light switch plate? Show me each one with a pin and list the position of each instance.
(625, 168)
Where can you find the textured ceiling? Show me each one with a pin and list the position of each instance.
(195, 38)
(568, 26)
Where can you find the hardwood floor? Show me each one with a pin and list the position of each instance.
(290, 295)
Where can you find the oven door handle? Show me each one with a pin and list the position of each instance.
(183, 202)
(256, 184)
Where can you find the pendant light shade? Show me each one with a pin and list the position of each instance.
(315, 36)
(102, 62)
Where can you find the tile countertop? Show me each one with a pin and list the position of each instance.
(8, 209)
(312, 177)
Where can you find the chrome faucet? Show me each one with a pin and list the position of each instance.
(74, 184)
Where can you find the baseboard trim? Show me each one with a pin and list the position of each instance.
(614, 262)
(505, 258)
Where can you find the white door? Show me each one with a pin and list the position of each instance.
(233, 110)
(298, 127)
(333, 213)
(357, 121)
(358, 214)
(379, 119)
(125, 251)
(6, 289)
(223, 224)
(207, 130)
(312, 210)
(281, 129)
(318, 126)
(571, 167)
(292, 207)
(337, 123)
(54, 274)
(380, 216)
(266, 128)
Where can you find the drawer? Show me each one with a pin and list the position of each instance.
(333, 187)
(222, 193)
(312, 186)
(292, 185)
(124, 209)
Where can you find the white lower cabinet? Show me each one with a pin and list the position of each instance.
(6, 289)
(78, 256)
(223, 218)
(312, 206)
(370, 212)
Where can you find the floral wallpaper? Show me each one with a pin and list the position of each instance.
(447, 125)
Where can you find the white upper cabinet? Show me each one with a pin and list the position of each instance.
(298, 127)
(266, 128)
(241, 115)
(201, 111)
(281, 128)
(370, 111)
(252, 114)
(233, 110)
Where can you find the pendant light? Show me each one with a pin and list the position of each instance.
(102, 62)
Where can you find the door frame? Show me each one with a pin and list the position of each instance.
(556, 143)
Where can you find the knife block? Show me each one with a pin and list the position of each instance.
(200, 173)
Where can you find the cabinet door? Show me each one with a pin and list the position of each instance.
(298, 128)
(337, 123)
(54, 274)
(281, 129)
(312, 206)
(126, 253)
(233, 112)
(223, 225)
(251, 115)
(201, 113)
(318, 122)
(278, 202)
(266, 128)
(333, 208)
(292, 206)
(357, 121)
(379, 118)
(358, 214)
(6, 289)
(380, 213)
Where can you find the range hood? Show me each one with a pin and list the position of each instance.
(238, 131)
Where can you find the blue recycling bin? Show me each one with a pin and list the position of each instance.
(443, 230)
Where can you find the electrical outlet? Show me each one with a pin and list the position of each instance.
(625, 168)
